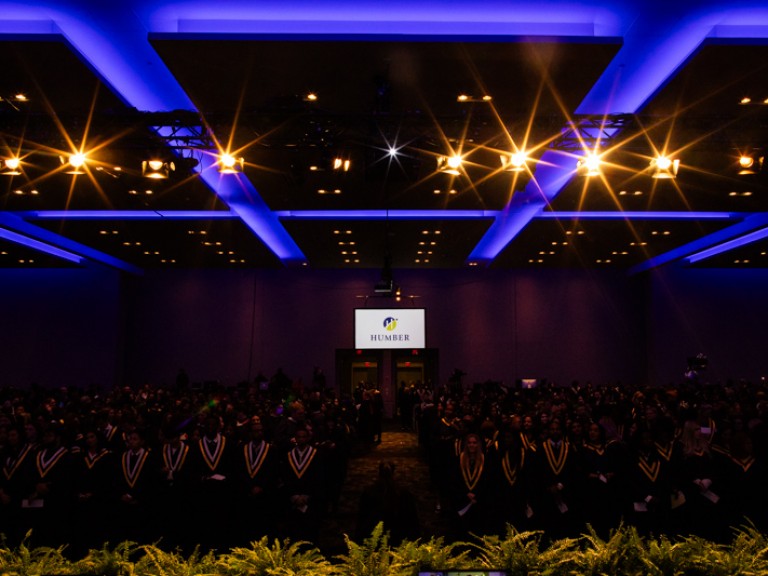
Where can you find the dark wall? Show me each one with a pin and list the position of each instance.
(78, 326)
(502, 325)
(720, 313)
(60, 327)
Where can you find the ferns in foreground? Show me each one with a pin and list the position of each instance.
(517, 553)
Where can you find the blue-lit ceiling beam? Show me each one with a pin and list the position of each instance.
(553, 172)
(16, 224)
(369, 215)
(127, 215)
(242, 197)
(728, 246)
(749, 225)
(386, 214)
(28, 242)
(115, 43)
(649, 215)
(655, 46)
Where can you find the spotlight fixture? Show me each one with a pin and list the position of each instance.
(664, 168)
(449, 164)
(464, 97)
(75, 163)
(340, 164)
(10, 166)
(750, 164)
(589, 165)
(14, 101)
(228, 164)
(157, 169)
(514, 162)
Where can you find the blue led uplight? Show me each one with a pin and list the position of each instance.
(39, 246)
(727, 246)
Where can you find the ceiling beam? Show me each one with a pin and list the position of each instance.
(115, 43)
(654, 48)
(15, 224)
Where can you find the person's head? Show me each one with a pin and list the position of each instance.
(472, 444)
(528, 423)
(135, 440)
(555, 430)
(257, 431)
(91, 440)
(595, 433)
(212, 425)
(15, 437)
(51, 436)
(301, 436)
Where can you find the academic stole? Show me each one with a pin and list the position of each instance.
(175, 464)
(471, 473)
(212, 459)
(556, 461)
(46, 463)
(10, 469)
(300, 461)
(528, 444)
(131, 474)
(510, 470)
(254, 457)
(744, 464)
(650, 469)
(599, 450)
(665, 451)
(91, 459)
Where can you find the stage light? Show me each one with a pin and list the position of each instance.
(664, 167)
(513, 162)
(449, 164)
(157, 169)
(341, 164)
(228, 164)
(750, 164)
(75, 161)
(589, 165)
(11, 166)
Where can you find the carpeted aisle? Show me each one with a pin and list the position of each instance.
(400, 447)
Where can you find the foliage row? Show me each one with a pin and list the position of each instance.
(625, 552)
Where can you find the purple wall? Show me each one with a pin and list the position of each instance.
(60, 327)
(227, 325)
(77, 326)
(720, 313)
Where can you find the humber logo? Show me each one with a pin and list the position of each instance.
(390, 325)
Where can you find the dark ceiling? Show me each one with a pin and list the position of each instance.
(250, 94)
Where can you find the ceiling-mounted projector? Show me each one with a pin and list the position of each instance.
(385, 288)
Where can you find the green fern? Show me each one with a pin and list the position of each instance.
(432, 554)
(118, 561)
(371, 558)
(157, 562)
(26, 561)
(280, 559)
(619, 554)
(521, 553)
